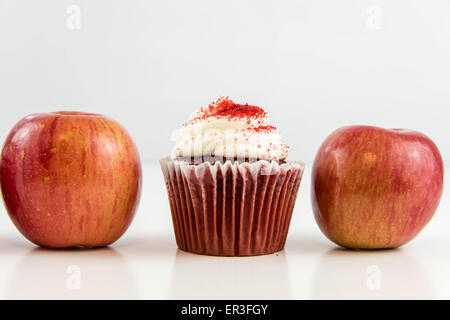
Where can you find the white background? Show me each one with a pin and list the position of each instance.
(314, 65)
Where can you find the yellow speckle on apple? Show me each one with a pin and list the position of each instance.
(370, 157)
(119, 137)
(46, 178)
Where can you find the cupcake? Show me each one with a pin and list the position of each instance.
(231, 189)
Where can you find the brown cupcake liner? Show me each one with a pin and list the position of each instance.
(231, 209)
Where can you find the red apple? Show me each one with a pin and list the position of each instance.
(375, 188)
(70, 179)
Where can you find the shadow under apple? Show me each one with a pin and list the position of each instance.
(377, 274)
(71, 274)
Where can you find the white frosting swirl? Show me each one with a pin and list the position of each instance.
(229, 130)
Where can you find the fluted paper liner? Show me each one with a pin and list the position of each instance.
(232, 209)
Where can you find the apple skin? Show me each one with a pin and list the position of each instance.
(375, 188)
(70, 179)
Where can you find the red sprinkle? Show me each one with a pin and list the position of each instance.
(225, 107)
(264, 128)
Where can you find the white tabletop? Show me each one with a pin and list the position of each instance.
(145, 263)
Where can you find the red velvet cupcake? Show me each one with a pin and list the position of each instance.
(231, 190)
